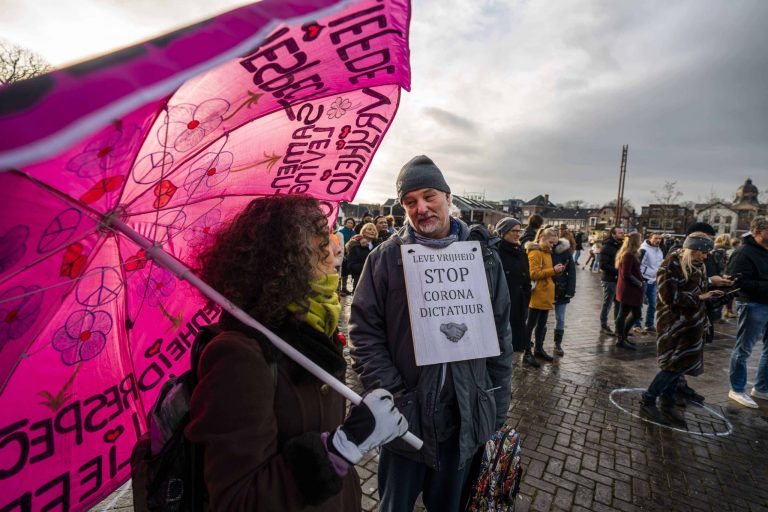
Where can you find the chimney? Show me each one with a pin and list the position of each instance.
(546, 198)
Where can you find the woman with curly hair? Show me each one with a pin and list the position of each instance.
(269, 429)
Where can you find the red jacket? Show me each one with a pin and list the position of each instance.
(629, 289)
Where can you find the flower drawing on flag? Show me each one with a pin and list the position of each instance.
(187, 124)
(19, 309)
(13, 245)
(207, 172)
(160, 284)
(105, 152)
(201, 232)
(339, 107)
(83, 336)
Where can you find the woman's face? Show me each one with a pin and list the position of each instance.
(548, 241)
(325, 254)
(350, 224)
(698, 256)
(370, 233)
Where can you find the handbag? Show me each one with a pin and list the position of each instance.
(498, 482)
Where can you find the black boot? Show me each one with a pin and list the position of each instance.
(529, 360)
(623, 343)
(649, 411)
(688, 393)
(673, 414)
(539, 350)
(559, 343)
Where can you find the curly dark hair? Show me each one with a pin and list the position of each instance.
(263, 259)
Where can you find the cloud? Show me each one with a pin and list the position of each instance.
(545, 94)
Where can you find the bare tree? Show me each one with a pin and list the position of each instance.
(713, 197)
(574, 203)
(668, 194)
(17, 63)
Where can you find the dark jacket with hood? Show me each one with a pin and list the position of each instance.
(609, 272)
(262, 432)
(565, 283)
(516, 270)
(529, 235)
(356, 255)
(383, 355)
(749, 266)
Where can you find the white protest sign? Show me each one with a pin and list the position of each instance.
(449, 303)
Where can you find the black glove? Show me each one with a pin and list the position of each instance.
(376, 421)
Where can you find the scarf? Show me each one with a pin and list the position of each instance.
(435, 243)
(324, 307)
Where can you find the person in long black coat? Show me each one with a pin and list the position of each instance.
(515, 263)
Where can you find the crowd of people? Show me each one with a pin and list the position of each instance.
(276, 438)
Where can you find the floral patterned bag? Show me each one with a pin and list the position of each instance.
(500, 473)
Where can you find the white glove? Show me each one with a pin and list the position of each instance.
(376, 421)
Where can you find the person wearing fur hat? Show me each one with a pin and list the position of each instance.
(515, 263)
(453, 407)
(565, 287)
(681, 322)
(543, 296)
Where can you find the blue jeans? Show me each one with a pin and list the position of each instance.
(751, 326)
(609, 297)
(401, 480)
(576, 256)
(560, 316)
(596, 264)
(649, 292)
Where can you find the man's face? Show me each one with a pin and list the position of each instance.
(655, 240)
(513, 235)
(619, 234)
(367, 219)
(428, 212)
(381, 224)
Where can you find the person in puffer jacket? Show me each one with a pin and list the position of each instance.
(565, 289)
(543, 294)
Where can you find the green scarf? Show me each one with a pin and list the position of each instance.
(324, 307)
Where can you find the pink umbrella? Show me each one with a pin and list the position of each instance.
(117, 170)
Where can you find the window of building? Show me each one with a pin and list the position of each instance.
(728, 219)
(717, 219)
(705, 218)
(593, 221)
(654, 223)
(727, 229)
(669, 224)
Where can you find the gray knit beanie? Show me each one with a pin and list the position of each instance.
(420, 172)
(506, 224)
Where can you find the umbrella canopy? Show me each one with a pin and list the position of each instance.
(163, 141)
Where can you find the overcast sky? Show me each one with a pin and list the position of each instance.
(516, 99)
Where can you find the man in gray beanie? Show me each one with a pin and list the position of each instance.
(472, 395)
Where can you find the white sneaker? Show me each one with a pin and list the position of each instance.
(759, 394)
(743, 399)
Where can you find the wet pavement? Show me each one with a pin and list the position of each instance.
(585, 447)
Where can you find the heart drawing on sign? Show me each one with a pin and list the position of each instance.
(453, 332)
(111, 435)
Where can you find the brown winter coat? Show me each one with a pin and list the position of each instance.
(681, 318)
(629, 287)
(262, 446)
(542, 272)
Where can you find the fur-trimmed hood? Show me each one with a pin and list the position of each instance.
(562, 245)
(535, 246)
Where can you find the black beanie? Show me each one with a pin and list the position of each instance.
(701, 226)
(420, 172)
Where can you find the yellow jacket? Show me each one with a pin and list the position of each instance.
(542, 272)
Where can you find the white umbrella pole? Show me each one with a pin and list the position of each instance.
(156, 253)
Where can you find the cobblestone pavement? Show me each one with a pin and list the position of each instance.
(585, 448)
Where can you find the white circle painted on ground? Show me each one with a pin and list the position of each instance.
(684, 431)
